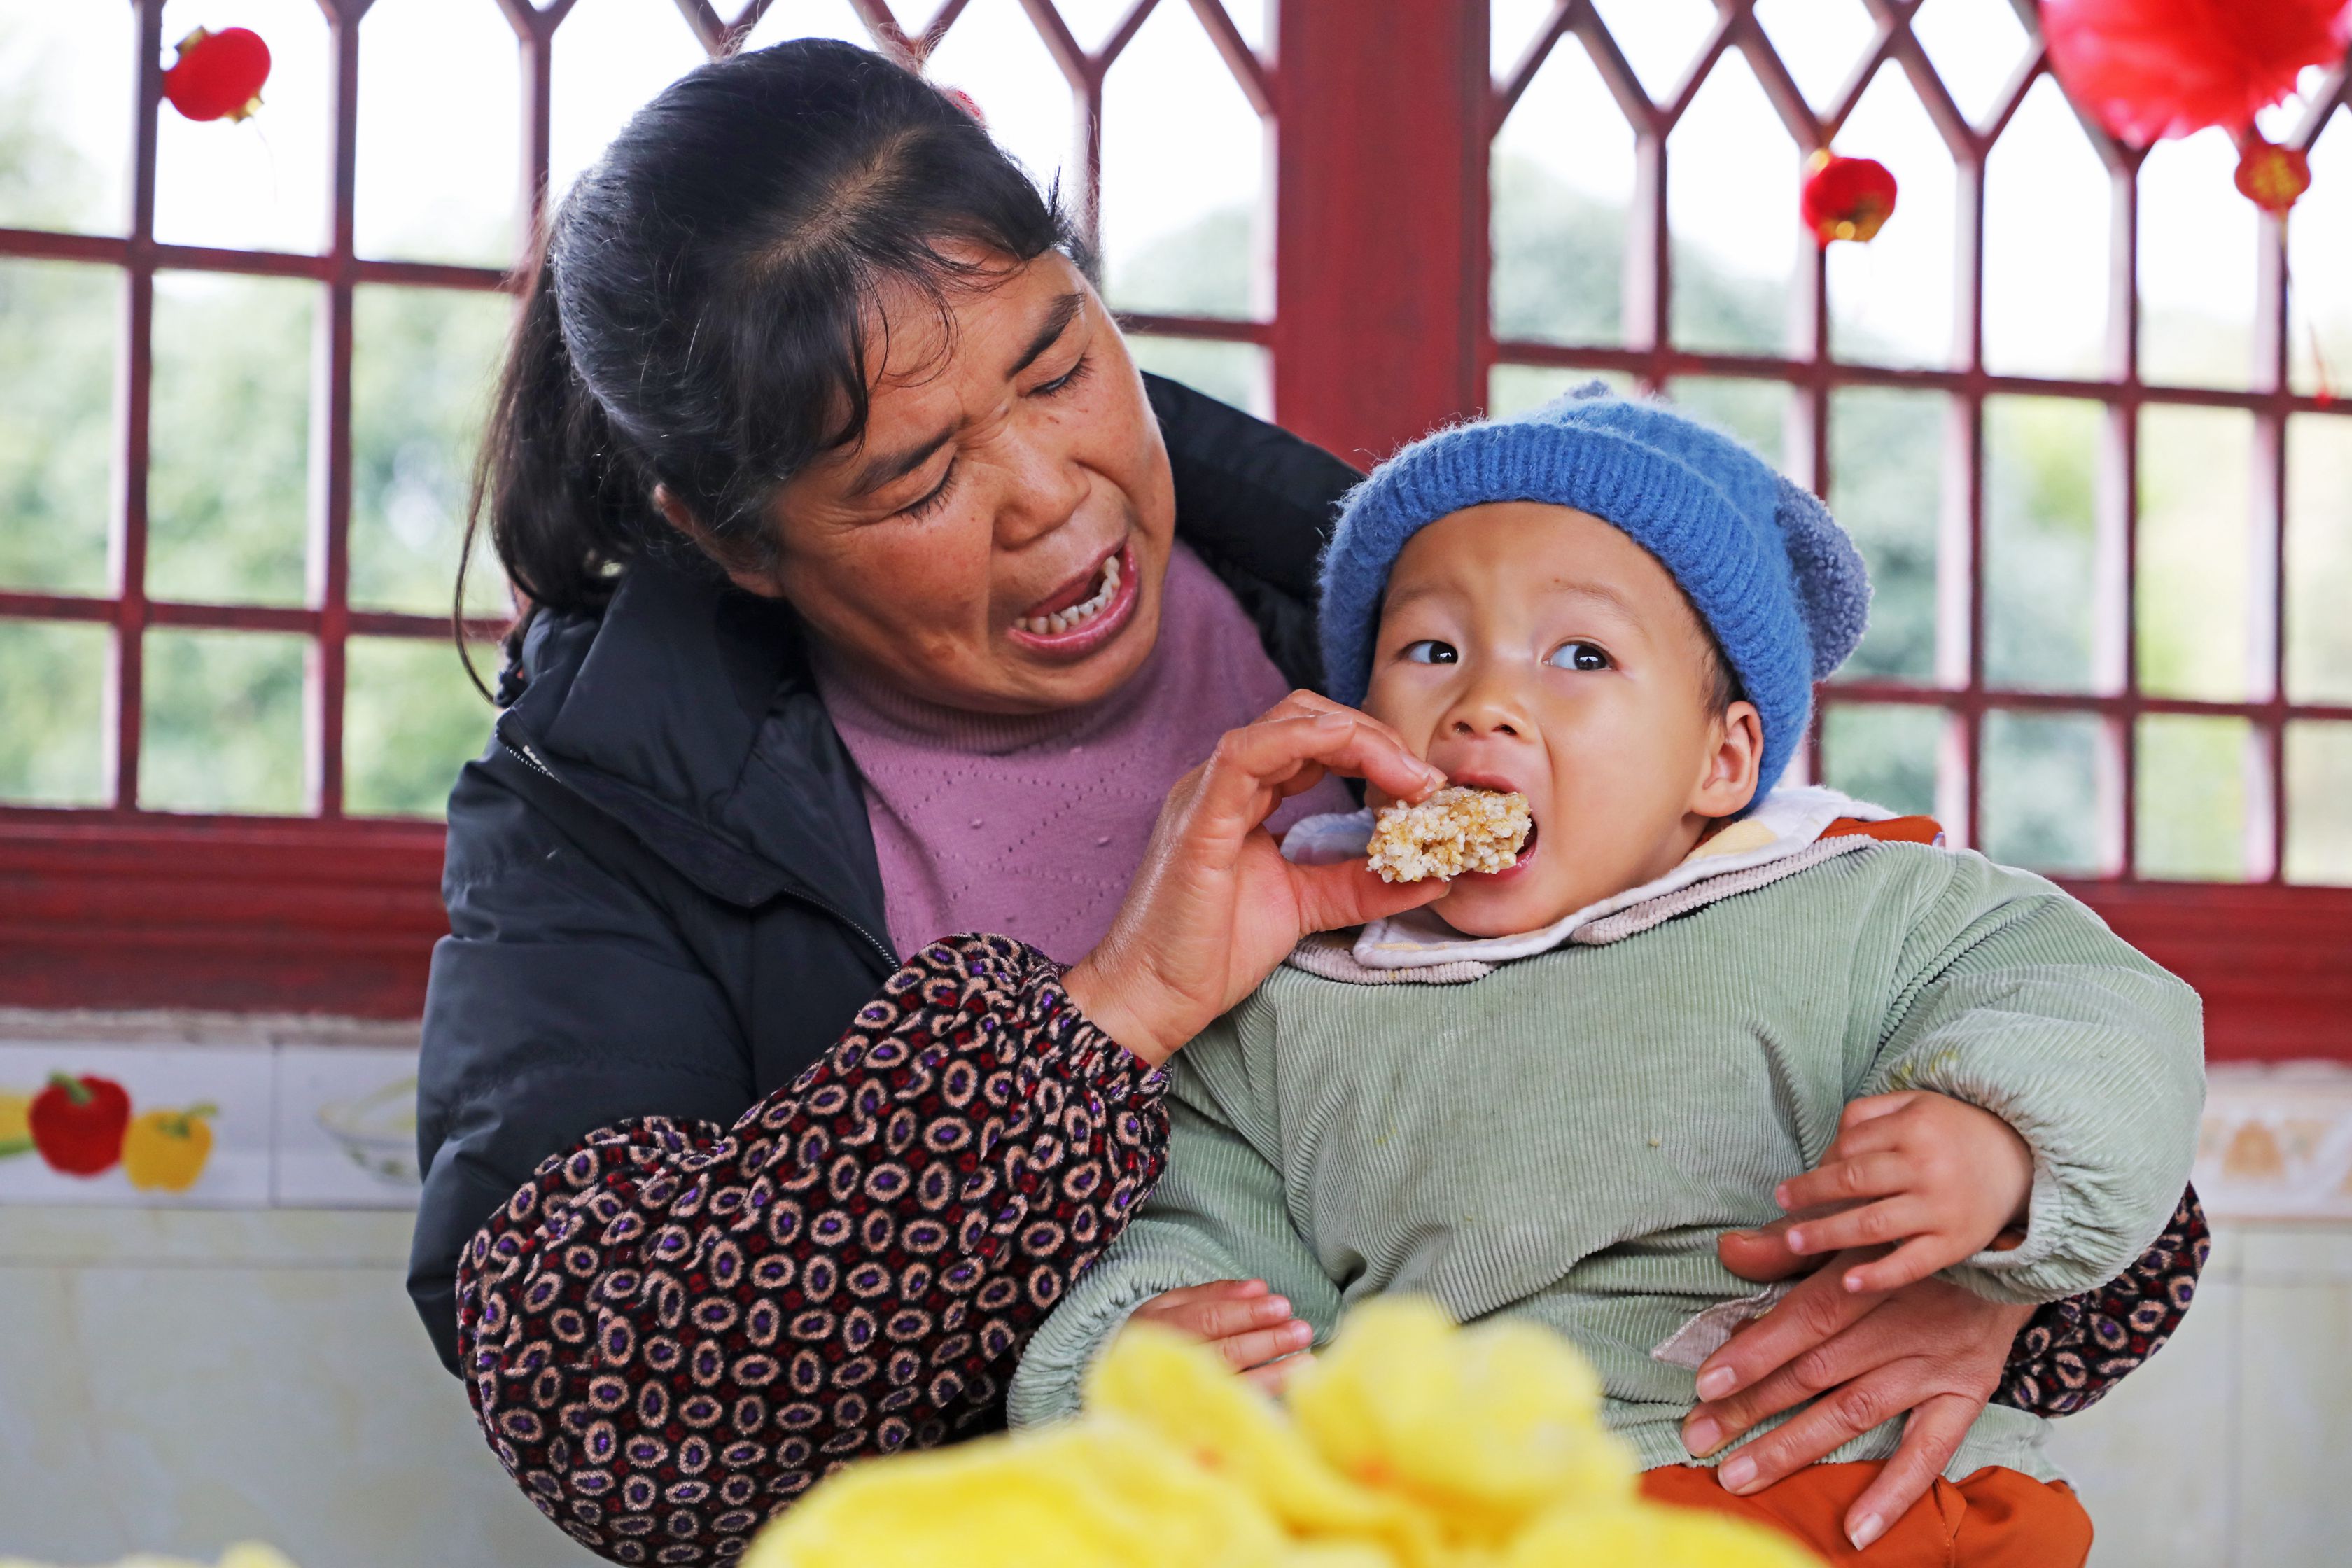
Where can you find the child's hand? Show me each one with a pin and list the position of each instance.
(1240, 1321)
(1936, 1174)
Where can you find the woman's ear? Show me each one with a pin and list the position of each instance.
(681, 517)
(1728, 782)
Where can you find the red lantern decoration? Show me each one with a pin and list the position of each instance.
(2153, 69)
(1847, 198)
(218, 76)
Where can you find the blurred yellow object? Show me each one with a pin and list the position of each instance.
(1484, 1429)
(1654, 1536)
(1410, 1443)
(244, 1554)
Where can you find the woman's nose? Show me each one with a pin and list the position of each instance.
(1045, 485)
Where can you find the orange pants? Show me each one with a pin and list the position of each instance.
(1997, 1517)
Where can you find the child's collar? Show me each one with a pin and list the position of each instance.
(1790, 824)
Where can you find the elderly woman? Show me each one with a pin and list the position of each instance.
(874, 596)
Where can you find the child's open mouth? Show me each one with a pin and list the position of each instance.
(1526, 854)
(1084, 613)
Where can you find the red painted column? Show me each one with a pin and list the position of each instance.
(1380, 219)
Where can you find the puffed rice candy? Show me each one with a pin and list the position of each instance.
(1457, 830)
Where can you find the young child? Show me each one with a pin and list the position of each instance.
(1551, 1090)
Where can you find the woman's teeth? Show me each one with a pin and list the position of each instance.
(1079, 614)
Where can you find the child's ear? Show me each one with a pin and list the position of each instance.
(1728, 782)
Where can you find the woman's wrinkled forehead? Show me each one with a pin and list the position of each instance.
(938, 358)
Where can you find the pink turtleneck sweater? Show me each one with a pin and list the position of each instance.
(1032, 825)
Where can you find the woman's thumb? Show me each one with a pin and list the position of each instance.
(1348, 894)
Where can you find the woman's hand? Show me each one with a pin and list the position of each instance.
(1214, 906)
(1931, 1349)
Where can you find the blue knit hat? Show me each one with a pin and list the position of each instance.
(1778, 582)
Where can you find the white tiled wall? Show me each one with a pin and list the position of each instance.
(2230, 1450)
(177, 1374)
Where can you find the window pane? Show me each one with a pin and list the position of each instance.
(2045, 243)
(1181, 147)
(2319, 290)
(994, 53)
(611, 57)
(259, 184)
(52, 714)
(60, 330)
(228, 469)
(1238, 374)
(1891, 300)
(411, 718)
(2194, 550)
(2192, 796)
(1976, 46)
(423, 363)
(223, 723)
(440, 170)
(1562, 173)
(1751, 410)
(2319, 803)
(1731, 197)
(1886, 460)
(1516, 388)
(2041, 456)
(2197, 258)
(1660, 38)
(1201, 267)
(2039, 791)
(2319, 558)
(1821, 42)
(1885, 754)
(65, 115)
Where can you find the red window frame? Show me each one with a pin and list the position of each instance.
(1380, 139)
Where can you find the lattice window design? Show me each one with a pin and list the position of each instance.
(298, 615)
(1966, 720)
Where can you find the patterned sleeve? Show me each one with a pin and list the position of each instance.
(2073, 1351)
(676, 1329)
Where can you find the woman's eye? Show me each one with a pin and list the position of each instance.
(939, 493)
(1578, 656)
(1429, 650)
(1067, 380)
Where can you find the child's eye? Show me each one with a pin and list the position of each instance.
(1578, 656)
(1429, 650)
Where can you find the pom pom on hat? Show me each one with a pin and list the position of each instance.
(1774, 577)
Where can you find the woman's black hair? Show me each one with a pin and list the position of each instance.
(697, 317)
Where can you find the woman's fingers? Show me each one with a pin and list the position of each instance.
(1804, 1320)
(1330, 896)
(1249, 763)
(1763, 1254)
(1839, 1181)
(1845, 1413)
(1930, 1438)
